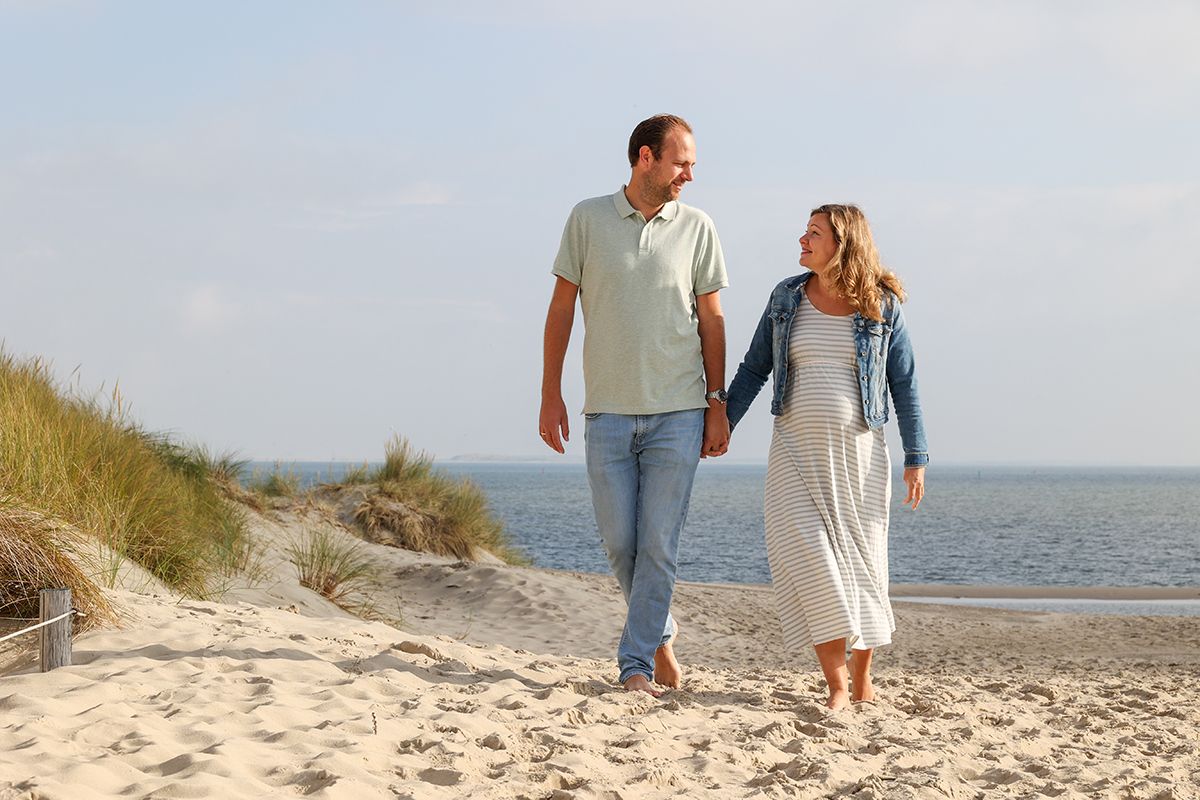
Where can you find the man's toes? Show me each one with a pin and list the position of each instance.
(638, 683)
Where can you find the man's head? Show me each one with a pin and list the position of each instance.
(662, 154)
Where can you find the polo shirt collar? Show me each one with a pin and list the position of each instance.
(625, 209)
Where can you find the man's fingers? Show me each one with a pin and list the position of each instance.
(566, 430)
(549, 434)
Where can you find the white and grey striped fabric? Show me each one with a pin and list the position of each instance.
(827, 495)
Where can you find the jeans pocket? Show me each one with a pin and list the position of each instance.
(591, 416)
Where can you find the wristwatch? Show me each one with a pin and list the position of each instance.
(720, 395)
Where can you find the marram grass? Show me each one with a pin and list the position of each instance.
(332, 564)
(86, 464)
(421, 508)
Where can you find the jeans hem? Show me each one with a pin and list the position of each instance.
(627, 675)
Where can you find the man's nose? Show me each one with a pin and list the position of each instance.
(687, 174)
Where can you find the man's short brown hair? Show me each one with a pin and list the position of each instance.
(651, 132)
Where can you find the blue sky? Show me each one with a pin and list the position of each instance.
(295, 229)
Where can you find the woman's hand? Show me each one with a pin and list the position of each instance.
(914, 478)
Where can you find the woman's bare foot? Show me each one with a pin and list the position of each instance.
(667, 671)
(860, 677)
(638, 683)
(863, 693)
(838, 699)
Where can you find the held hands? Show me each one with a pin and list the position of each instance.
(551, 421)
(914, 478)
(716, 431)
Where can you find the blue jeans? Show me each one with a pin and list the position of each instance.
(641, 470)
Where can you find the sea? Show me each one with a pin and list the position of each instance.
(979, 525)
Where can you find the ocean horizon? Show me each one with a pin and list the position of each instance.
(980, 525)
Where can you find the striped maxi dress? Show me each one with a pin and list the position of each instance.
(827, 495)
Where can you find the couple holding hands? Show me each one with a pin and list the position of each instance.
(647, 271)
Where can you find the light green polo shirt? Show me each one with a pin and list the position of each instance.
(638, 283)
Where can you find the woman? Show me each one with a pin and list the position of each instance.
(836, 341)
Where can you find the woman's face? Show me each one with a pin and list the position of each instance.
(817, 245)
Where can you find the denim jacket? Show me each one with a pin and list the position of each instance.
(883, 354)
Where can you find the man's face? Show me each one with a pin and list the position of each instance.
(666, 176)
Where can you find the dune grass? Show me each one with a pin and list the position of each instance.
(356, 476)
(427, 510)
(84, 462)
(276, 483)
(333, 566)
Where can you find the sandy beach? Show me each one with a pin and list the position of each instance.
(492, 681)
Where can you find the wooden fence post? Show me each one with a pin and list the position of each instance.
(56, 638)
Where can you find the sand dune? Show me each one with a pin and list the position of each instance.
(499, 684)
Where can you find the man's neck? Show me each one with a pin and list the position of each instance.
(633, 193)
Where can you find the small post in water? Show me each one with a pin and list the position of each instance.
(56, 637)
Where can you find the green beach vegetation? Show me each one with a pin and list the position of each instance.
(276, 483)
(85, 490)
(334, 567)
(407, 502)
(81, 464)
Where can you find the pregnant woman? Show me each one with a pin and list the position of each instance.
(835, 339)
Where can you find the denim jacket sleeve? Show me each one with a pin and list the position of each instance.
(902, 384)
(752, 373)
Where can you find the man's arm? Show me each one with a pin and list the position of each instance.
(712, 350)
(559, 319)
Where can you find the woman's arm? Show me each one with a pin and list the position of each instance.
(753, 372)
(902, 383)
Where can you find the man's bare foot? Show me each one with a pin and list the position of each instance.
(638, 683)
(838, 699)
(667, 671)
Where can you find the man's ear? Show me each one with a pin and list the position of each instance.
(646, 155)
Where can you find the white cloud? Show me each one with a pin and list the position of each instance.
(206, 309)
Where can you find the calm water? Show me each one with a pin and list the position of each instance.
(1043, 526)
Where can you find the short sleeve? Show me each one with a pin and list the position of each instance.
(708, 272)
(568, 263)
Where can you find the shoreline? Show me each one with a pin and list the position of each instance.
(900, 591)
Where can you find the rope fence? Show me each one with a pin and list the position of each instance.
(72, 612)
(54, 628)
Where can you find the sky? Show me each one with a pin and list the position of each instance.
(295, 230)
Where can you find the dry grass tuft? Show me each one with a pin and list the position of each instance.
(34, 555)
(386, 520)
(420, 508)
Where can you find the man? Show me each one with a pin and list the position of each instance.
(647, 270)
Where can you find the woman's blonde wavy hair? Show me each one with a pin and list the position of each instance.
(854, 270)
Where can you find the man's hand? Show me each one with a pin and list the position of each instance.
(552, 421)
(716, 431)
(711, 327)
